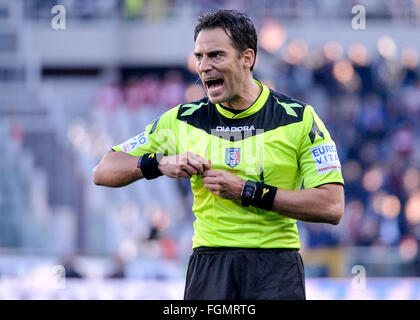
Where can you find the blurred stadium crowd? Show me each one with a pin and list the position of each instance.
(368, 99)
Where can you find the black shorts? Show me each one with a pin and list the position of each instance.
(245, 274)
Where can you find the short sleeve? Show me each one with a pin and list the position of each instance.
(159, 136)
(318, 156)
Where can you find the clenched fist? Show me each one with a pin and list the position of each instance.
(183, 165)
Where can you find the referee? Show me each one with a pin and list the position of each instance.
(247, 151)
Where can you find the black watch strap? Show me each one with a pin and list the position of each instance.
(248, 192)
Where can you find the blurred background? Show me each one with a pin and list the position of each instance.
(74, 83)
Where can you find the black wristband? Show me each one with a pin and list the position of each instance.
(264, 196)
(148, 164)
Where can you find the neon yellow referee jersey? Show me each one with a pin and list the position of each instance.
(277, 140)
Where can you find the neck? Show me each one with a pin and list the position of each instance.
(249, 93)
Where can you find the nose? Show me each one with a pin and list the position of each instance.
(204, 65)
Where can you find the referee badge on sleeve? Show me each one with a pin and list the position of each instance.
(135, 142)
(232, 156)
(326, 158)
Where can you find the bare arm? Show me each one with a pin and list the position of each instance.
(116, 169)
(321, 204)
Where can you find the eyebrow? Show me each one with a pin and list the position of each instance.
(210, 54)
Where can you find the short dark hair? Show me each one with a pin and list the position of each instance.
(237, 25)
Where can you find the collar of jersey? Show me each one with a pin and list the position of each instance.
(256, 106)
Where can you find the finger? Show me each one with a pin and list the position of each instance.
(212, 187)
(187, 175)
(197, 165)
(206, 163)
(211, 173)
(215, 191)
(184, 174)
(210, 180)
(203, 161)
(198, 158)
(190, 169)
(207, 166)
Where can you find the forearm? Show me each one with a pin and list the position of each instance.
(116, 169)
(323, 204)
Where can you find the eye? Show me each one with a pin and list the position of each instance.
(198, 57)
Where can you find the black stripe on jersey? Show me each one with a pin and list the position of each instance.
(271, 116)
(155, 122)
(314, 131)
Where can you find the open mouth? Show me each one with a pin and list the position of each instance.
(214, 84)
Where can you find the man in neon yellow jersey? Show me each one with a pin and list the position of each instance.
(247, 151)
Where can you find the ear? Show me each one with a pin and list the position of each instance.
(248, 57)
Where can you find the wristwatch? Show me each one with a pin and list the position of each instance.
(248, 192)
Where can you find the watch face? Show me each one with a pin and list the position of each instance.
(248, 191)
